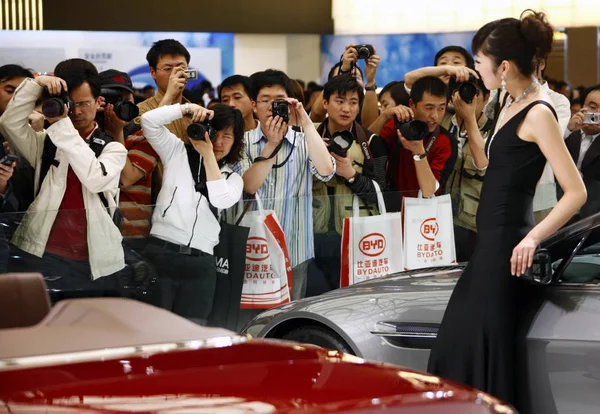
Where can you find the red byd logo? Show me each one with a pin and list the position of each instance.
(430, 229)
(257, 249)
(372, 244)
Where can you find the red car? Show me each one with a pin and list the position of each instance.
(119, 355)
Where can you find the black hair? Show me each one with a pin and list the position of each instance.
(236, 80)
(302, 83)
(386, 88)
(522, 41)
(270, 77)
(226, 116)
(430, 84)
(313, 87)
(481, 86)
(10, 72)
(166, 47)
(148, 88)
(576, 101)
(342, 85)
(77, 77)
(588, 91)
(339, 65)
(457, 49)
(74, 65)
(399, 94)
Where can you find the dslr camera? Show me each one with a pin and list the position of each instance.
(54, 106)
(413, 130)
(364, 51)
(280, 108)
(467, 90)
(340, 142)
(125, 110)
(197, 130)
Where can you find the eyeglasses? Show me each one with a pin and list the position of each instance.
(267, 102)
(169, 69)
(85, 104)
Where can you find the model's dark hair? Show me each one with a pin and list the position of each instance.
(237, 80)
(270, 77)
(457, 49)
(166, 47)
(342, 85)
(339, 65)
(226, 116)
(430, 84)
(588, 91)
(10, 72)
(74, 65)
(522, 41)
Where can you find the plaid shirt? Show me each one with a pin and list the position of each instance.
(288, 189)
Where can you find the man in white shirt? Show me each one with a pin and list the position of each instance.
(584, 146)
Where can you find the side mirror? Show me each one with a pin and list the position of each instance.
(541, 272)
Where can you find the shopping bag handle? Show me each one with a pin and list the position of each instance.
(380, 202)
(249, 202)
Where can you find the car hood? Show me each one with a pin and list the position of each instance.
(256, 375)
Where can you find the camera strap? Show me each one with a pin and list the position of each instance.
(276, 151)
(363, 142)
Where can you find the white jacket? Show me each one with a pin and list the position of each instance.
(182, 215)
(103, 237)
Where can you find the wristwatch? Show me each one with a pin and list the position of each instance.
(371, 88)
(419, 157)
(351, 180)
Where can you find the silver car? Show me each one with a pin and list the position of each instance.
(395, 319)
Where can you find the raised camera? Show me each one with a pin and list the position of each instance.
(413, 130)
(340, 142)
(191, 74)
(364, 51)
(280, 108)
(125, 110)
(54, 106)
(591, 118)
(198, 130)
(467, 90)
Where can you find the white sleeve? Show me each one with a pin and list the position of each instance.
(164, 142)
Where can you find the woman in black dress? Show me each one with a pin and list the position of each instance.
(476, 343)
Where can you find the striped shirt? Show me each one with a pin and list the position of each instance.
(288, 189)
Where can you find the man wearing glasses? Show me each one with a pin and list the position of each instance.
(67, 233)
(168, 59)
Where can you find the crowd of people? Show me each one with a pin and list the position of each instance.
(112, 187)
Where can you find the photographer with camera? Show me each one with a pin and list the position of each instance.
(168, 60)
(348, 65)
(198, 182)
(584, 146)
(394, 106)
(472, 128)
(68, 232)
(361, 159)
(135, 197)
(279, 163)
(420, 150)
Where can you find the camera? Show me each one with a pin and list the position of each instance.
(54, 106)
(280, 108)
(364, 51)
(191, 74)
(340, 142)
(467, 90)
(413, 130)
(591, 118)
(197, 130)
(125, 110)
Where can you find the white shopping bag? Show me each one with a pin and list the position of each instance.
(268, 271)
(428, 232)
(371, 246)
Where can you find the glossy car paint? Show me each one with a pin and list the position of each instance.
(252, 376)
(388, 319)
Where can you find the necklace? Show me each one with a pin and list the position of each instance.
(509, 102)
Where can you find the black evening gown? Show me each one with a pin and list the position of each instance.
(476, 343)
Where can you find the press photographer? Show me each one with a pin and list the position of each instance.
(198, 181)
(68, 232)
(420, 158)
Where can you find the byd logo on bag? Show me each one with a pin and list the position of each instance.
(372, 244)
(257, 249)
(430, 229)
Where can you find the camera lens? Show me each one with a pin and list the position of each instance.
(467, 91)
(414, 130)
(196, 131)
(53, 107)
(126, 111)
